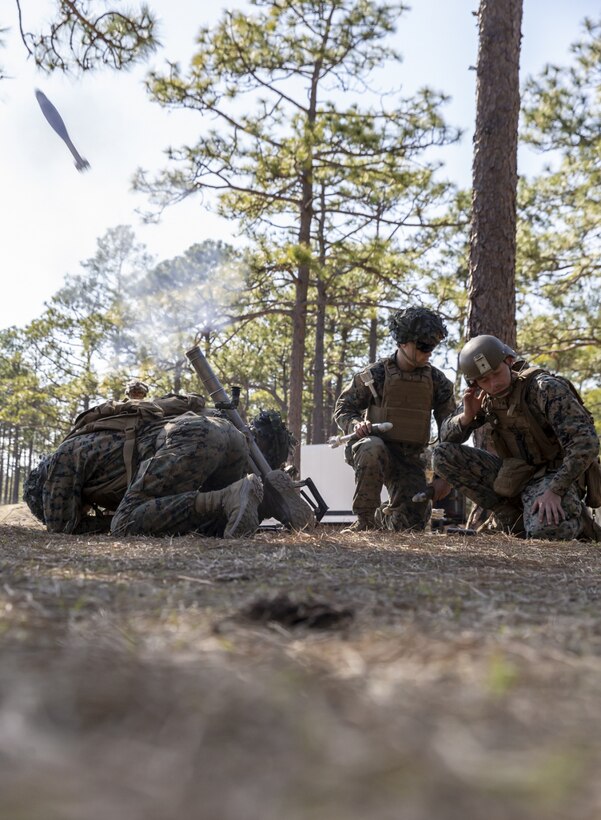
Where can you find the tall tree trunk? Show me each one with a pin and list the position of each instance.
(344, 334)
(299, 311)
(328, 406)
(491, 306)
(7, 480)
(318, 418)
(299, 323)
(373, 339)
(14, 498)
(30, 454)
(2, 470)
(319, 366)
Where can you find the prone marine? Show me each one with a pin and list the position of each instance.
(161, 467)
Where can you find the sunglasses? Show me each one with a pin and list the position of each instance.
(424, 347)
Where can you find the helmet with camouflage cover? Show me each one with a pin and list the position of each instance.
(481, 355)
(274, 439)
(136, 386)
(417, 324)
(33, 488)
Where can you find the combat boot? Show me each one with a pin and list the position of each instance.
(591, 531)
(365, 522)
(508, 518)
(284, 502)
(239, 503)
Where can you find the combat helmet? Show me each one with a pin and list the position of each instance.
(417, 324)
(137, 385)
(274, 439)
(33, 489)
(481, 355)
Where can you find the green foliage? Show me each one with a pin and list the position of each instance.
(327, 176)
(84, 34)
(29, 422)
(80, 350)
(256, 357)
(560, 213)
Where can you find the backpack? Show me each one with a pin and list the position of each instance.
(125, 416)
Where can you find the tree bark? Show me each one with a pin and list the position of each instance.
(318, 424)
(2, 471)
(318, 413)
(491, 306)
(7, 480)
(299, 327)
(344, 334)
(30, 454)
(16, 480)
(299, 312)
(373, 339)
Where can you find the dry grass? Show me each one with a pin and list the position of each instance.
(463, 680)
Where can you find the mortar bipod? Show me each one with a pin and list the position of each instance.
(313, 498)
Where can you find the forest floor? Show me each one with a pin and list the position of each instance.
(298, 677)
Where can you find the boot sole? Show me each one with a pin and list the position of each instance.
(247, 519)
(285, 503)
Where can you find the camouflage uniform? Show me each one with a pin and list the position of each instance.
(563, 419)
(191, 453)
(398, 466)
(174, 459)
(165, 466)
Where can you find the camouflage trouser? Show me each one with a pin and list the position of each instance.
(376, 466)
(193, 453)
(473, 471)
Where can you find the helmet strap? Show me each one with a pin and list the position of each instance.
(412, 362)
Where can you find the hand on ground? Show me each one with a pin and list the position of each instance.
(548, 506)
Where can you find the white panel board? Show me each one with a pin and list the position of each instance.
(333, 477)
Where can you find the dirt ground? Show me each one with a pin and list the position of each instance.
(298, 677)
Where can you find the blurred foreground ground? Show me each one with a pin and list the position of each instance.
(441, 678)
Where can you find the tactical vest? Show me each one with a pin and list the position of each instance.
(406, 402)
(516, 433)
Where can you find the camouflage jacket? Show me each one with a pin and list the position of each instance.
(559, 414)
(89, 467)
(356, 397)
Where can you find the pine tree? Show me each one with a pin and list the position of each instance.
(296, 156)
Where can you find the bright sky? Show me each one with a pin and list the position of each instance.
(52, 215)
